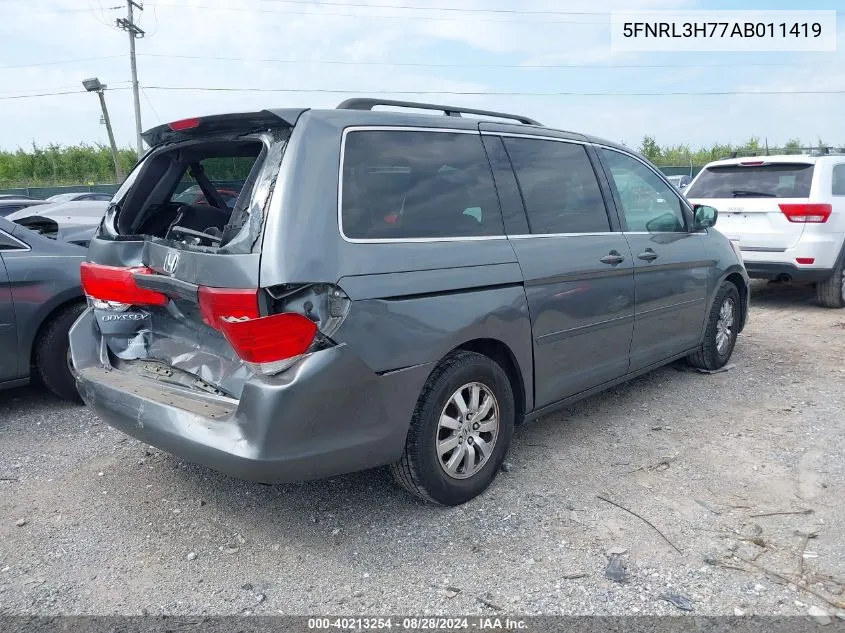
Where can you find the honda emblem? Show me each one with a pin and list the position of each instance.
(170, 262)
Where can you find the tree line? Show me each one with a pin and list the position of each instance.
(684, 155)
(92, 164)
(89, 165)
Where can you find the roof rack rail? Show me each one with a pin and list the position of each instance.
(369, 104)
(814, 150)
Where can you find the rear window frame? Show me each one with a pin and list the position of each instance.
(409, 240)
(738, 167)
(273, 144)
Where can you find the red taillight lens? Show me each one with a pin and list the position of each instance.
(270, 339)
(803, 212)
(217, 303)
(114, 283)
(184, 124)
(805, 260)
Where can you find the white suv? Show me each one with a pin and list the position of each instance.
(786, 213)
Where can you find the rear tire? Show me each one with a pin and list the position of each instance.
(452, 477)
(830, 293)
(721, 330)
(51, 353)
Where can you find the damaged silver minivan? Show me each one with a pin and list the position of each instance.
(387, 288)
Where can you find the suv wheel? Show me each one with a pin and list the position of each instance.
(720, 335)
(830, 293)
(52, 353)
(460, 431)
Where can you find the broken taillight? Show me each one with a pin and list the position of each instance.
(116, 285)
(271, 343)
(268, 344)
(219, 303)
(806, 212)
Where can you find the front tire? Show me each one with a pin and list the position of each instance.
(460, 431)
(721, 330)
(830, 293)
(51, 353)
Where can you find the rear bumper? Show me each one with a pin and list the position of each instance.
(783, 271)
(328, 415)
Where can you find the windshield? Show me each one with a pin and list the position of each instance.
(62, 197)
(773, 180)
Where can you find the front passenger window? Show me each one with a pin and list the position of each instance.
(649, 204)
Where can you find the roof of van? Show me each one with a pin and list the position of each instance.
(288, 117)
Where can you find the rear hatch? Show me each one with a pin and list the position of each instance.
(173, 277)
(762, 205)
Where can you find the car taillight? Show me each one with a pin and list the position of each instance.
(804, 212)
(268, 344)
(805, 260)
(116, 285)
(272, 343)
(219, 303)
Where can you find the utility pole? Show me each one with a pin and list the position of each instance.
(128, 25)
(94, 85)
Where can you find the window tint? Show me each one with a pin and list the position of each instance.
(9, 243)
(839, 180)
(8, 209)
(559, 187)
(399, 185)
(775, 180)
(649, 203)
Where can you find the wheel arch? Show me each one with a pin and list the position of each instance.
(42, 319)
(500, 353)
(741, 283)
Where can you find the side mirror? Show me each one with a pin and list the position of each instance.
(705, 217)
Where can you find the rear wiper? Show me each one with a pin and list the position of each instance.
(740, 193)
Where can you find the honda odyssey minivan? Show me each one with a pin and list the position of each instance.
(390, 288)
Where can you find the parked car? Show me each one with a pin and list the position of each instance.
(10, 205)
(786, 213)
(391, 288)
(681, 181)
(40, 298)
(70, 222)
(15, 196)
(80, 196)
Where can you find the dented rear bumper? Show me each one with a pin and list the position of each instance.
(328, 415)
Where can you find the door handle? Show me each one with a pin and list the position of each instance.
(612, 258)
(648, 255)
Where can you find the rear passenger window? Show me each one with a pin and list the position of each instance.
(839, 180)
(559, 187)
(407, 184)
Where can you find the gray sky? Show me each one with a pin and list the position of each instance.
(327, 51)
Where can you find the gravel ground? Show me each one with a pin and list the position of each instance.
(92, 522)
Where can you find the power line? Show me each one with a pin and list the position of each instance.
(442, 65)
(55, 94)
(500, 93)
(152, 107)
(454, 9)
(369, 16)
(61, 61)
(112, 84)
(52, 10)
